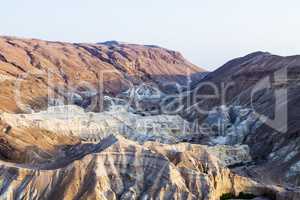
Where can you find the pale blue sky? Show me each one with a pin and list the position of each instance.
(207, 32)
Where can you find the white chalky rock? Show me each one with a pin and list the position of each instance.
(73, 120)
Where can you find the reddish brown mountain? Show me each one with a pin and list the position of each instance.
(269, 84)
(78, 65)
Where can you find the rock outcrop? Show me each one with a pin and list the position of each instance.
(258, 88)
(72, 120)
(116, 168)
(47, 155)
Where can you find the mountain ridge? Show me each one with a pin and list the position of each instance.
(116, 67)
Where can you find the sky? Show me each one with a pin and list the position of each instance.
(207, 32)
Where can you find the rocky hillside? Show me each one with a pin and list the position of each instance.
(66, 152)
(37, 163)
(65, 70)
(259, 84)
(221, 146)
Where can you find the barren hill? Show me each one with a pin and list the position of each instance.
(42, 65)
(256, 89)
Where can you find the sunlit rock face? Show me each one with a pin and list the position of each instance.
(118, 120)
(78, 70)
(116, 168)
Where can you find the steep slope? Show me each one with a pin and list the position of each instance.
(260, 84)
(32, 70)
